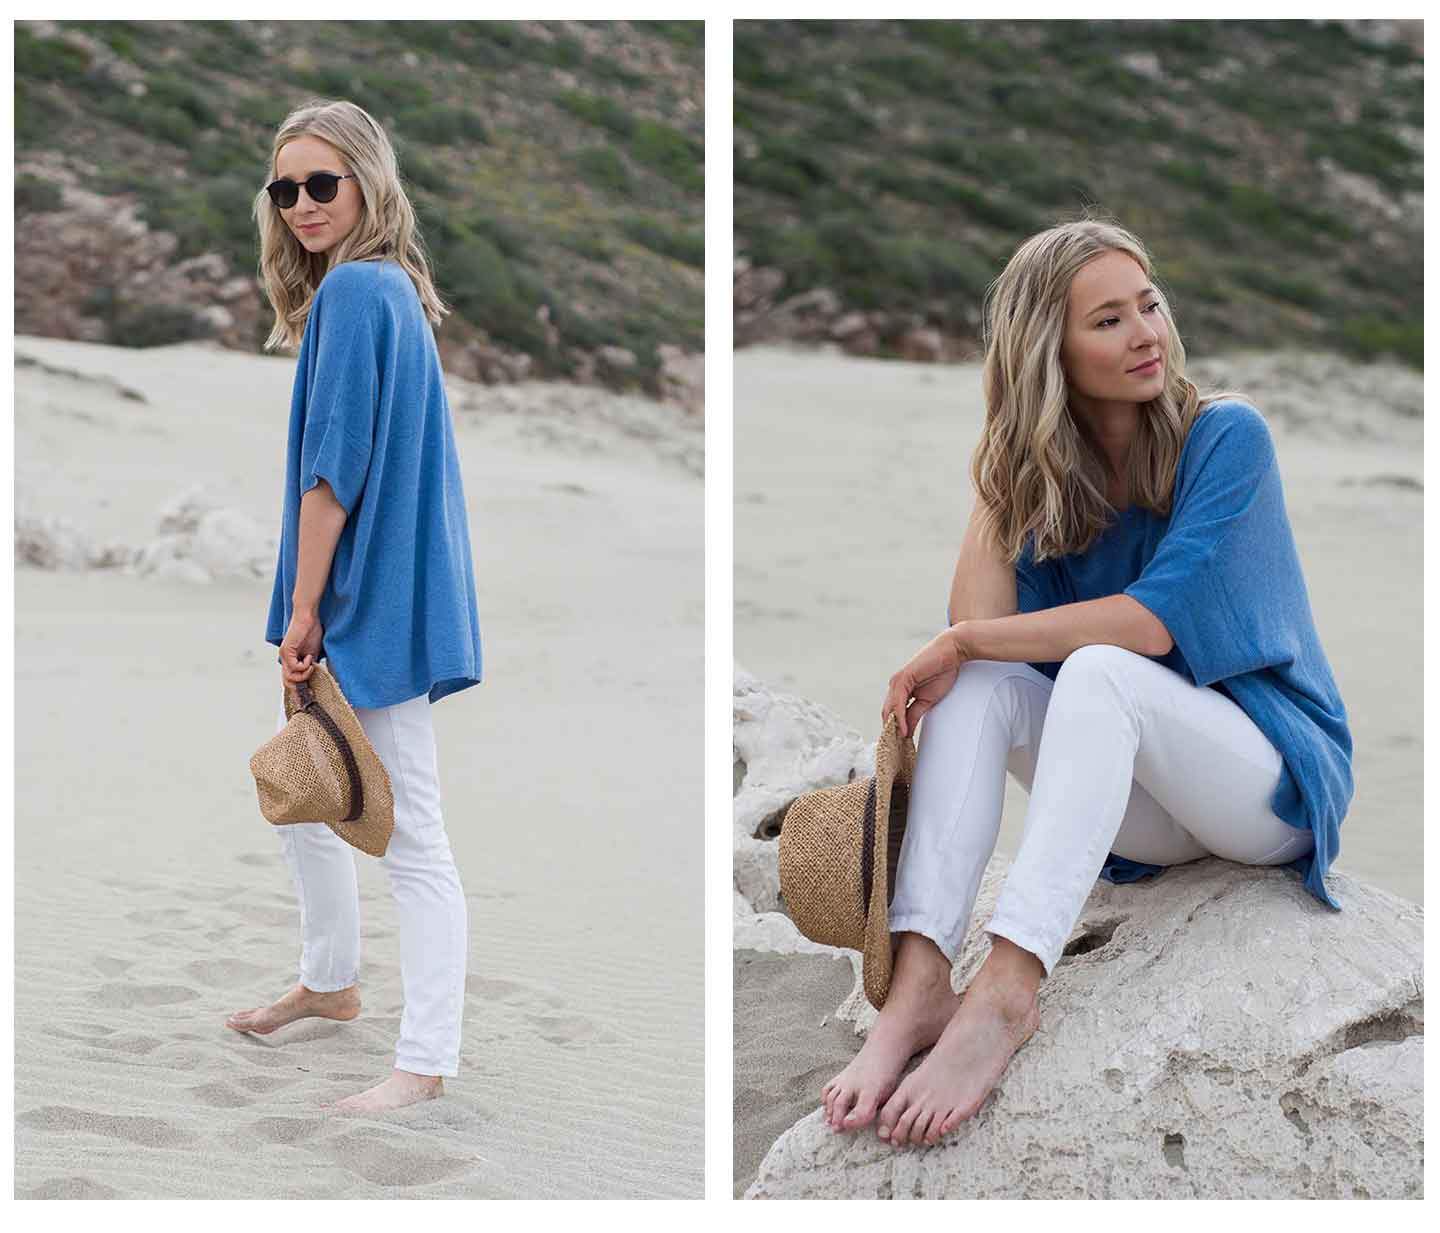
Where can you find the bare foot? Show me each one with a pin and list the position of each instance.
(916, 1011)
(995, 1018)
(400, 1089)
(299, 1003)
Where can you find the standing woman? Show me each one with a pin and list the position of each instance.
(1130, 636)
(374, 572)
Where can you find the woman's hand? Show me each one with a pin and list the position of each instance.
(300, 647)
(922, 682)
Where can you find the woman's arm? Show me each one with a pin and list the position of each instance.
(322, 518)
(984, 581)
(1049, 636)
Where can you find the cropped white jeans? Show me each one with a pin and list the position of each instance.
(434, 926)
(1120, 753)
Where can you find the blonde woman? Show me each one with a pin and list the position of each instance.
(374, 572)
(1130, 636)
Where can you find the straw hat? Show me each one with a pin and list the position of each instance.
(320, 767)
(838, 851)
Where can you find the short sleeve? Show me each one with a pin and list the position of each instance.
(344, 390)
(1225, 574)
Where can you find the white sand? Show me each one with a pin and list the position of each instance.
(852, 492)
(151, 898)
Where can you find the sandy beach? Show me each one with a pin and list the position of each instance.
(151, 898)
(851, 495)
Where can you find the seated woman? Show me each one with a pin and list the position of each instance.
(1130, 637)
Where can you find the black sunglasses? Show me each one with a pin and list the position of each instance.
(322, 187)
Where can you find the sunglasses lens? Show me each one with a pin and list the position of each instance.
(284, 193)
(322, 187)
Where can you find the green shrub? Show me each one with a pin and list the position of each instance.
(132, 324)
(598, 110)
(50, 59)
(1373, 337)
(677, 157)
(36, 196)
(603, 169)
(1281, 286)
(684, 244)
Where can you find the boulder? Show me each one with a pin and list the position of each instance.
(783, 746)
(200, 541)
(1210, 1033)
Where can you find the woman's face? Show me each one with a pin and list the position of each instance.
(318, 226)
(1112, 327)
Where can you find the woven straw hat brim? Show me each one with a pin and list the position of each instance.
(820, 859)
(371, 831)
(894, 770)
(825, 859)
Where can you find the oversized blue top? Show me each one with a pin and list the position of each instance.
(369, 416)
(1222, 574)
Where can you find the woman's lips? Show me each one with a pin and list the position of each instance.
(1146, 369)
(311, 226)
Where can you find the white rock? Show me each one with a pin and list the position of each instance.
(784, 746)
(200, 541)
(1216, 1033)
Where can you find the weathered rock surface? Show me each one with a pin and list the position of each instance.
(784, 746)
(1213, 1032)
(198, 541)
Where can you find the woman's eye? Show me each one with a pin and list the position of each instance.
(1110, 320)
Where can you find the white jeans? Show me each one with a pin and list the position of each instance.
(1119, 754)
(434, 926)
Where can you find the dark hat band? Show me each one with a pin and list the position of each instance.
(311, 706)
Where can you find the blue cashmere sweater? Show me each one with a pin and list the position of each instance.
(369, 415)
(1223, 575)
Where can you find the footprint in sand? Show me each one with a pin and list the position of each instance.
(496, 989)
(220, 1096)
(391, 1161)
(108, 966)
(70, 1188)
(144, 1131)
(121, 994)
(265, 1082)
(564, 1029)
(218, 973)
(136, 1045)
(173, 917)
(287, 1129)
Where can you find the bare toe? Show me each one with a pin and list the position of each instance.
(864, 1111)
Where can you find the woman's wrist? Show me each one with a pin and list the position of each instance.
(962, 638)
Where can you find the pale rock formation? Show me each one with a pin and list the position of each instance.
(784, 746)
(1213, 1032)
(200, 541)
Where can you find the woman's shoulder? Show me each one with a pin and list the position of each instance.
(363, 281)
(1229, 431)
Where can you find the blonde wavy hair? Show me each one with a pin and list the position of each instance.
(1035, 470)
(386, 229)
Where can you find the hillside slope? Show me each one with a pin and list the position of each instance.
(556, 167)
(1275, 170)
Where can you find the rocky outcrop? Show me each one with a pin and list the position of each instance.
(1213, 1032)
(783, 746)
(197, 540)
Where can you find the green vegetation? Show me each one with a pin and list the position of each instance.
(527, 195)
(899, 163)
